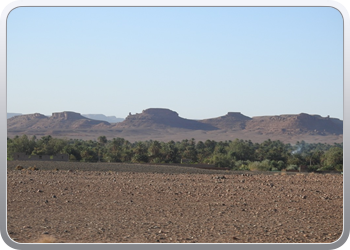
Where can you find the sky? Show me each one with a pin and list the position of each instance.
(201, 62)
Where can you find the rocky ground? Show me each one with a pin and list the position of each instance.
(179, 205)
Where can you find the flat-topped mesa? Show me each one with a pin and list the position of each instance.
(27, 117)
(160, 118)
(300, 123)
(36, 116)
(233, 113)
(67, 115)
(160, 112)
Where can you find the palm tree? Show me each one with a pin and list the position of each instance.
(102, 140)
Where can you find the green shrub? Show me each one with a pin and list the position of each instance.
(140, 158)
(244, 168)
(292, 167)
(254, 166)
(313, 168)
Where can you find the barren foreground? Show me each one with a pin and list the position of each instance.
(117, 206)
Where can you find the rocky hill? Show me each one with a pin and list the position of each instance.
(164, 124)
(61, 120)
(157, 118)
(231, 121)
(295, 124)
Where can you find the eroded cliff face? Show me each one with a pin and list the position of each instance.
(36, 116)
(160, 112)
(231, 121)
(293, 124)
(59, 120)
(67, 115)
(157, 123)
(25, 121)
(161, 118)
(280, 124)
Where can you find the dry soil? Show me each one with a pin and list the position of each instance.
(137, 204)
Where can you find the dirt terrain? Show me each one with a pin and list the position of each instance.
(176, 134)
(136, 204)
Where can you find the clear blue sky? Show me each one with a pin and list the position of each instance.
(201, 62)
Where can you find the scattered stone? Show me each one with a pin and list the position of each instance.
(19, 167)
(219, 177)
(264, 208)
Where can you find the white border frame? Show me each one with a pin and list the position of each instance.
(169, 3)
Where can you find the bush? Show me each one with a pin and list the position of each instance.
(240, 165)
(339, 167)
(313, 168)
(156, 160)
(281, 165)
(265, 165)
(292, 167)
(326, 168)
(254, 166)
(244, 168)
(221, 161)
(72, 158)
(140, 158)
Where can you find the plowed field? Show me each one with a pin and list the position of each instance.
(100, 202)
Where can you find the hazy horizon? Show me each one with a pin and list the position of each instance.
(223, 114)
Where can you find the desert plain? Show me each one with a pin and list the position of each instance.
(69, 202)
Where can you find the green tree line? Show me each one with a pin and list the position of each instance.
(236, 155)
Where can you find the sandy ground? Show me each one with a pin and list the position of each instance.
(177, 206)
(174, 134)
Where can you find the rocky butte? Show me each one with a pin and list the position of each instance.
(164, 124)
(60, 120)
(233, 121)
(301, 123)
(157, 118)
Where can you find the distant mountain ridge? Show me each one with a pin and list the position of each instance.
(101, 117)
(158, 118)
(60, 120)
(165, 123)
(9, 115)
(301, 123)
